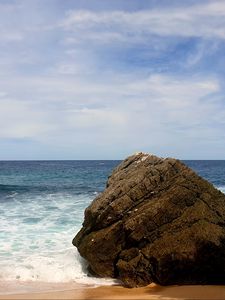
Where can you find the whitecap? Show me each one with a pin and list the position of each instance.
(222, 189)
(62, 266)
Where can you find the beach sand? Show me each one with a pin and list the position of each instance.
(118, 292)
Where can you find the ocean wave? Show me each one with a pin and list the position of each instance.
(60, 266)
(10, 187)
(11, 191)
(222, 189)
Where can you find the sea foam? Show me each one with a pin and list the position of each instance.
(58, 267)
(36, 239)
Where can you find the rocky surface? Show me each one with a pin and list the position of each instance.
(157, 221)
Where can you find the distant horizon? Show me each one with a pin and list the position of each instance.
(24, 160)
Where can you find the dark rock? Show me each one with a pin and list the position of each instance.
(157, 221)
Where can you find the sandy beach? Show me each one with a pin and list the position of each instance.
(118, 292)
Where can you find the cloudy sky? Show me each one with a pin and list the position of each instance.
(101, 79)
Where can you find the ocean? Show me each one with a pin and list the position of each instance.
(41, 209)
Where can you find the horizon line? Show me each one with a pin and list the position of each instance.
(182, 159)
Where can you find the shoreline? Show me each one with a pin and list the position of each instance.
(12, 288)
(151, 292)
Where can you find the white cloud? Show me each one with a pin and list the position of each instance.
(122, 106)
(13, 36)
(19, 119)
(91, 119)
(199, 20)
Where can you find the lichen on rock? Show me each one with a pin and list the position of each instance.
(156, 221)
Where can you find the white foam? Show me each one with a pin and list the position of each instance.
(222, 189)
(36, 240)
(65, 266)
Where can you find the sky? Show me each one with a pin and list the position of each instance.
(102, 79)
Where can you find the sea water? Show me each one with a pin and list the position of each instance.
(42, 205)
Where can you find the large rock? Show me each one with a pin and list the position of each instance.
(157, 221)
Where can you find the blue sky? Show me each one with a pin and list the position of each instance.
(101, 79)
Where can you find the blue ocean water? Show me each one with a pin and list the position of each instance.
(41, 209)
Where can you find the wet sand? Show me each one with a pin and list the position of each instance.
(152, 291)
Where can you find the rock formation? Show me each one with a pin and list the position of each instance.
(157, 221)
